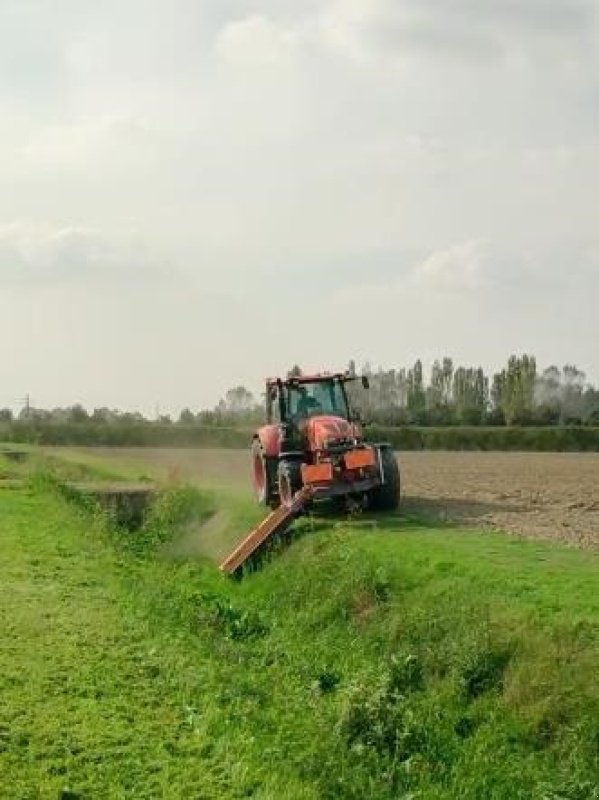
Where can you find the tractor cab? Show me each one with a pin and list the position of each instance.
(295, 399)
(314, 415)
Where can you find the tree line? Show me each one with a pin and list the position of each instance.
(518, 394)
(450, 395)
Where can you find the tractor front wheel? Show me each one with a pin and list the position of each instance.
(263, 474)
(386, 496)
(289, 474)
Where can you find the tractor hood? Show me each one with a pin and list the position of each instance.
(322, 431)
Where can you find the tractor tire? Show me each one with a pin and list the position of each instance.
(289, 478)
(264, 475)
(386, 496)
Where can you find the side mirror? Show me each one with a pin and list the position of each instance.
(365, 382)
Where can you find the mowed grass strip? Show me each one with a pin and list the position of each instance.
(87, 697)
(395, 661)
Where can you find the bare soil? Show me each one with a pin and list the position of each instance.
(539, 495)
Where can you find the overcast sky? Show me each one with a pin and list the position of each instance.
(195, 194)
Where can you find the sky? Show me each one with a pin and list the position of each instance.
(195, 194)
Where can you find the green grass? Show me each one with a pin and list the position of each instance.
(67, 465)
(11, 470)
(375, 661)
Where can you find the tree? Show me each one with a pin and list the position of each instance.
(76, 414)
(563, 396)
(434, 392)
(439, 393)
(447, 378)
(130, 418)
(591, 406)
(593, 417)
(35, 414)
(548, 396)
(572, 404)
(104, 415)
(186, 417)
(238, 400)
(518, 384)
(416, 393)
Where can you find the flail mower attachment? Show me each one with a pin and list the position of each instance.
(276, 522)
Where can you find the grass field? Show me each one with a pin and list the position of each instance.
(383, 659)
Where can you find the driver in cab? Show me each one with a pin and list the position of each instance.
(307, 405)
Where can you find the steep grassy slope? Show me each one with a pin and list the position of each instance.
(381, 661)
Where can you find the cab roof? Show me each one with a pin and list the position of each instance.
(321, 377)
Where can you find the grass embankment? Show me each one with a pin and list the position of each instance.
(23, 462)
(396, 661)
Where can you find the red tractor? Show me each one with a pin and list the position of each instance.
(313, 439)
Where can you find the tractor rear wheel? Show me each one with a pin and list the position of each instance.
(386, 496)
(289, 474)
(263, 474)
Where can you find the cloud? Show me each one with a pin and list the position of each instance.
(464, 29)
(460, 269)
(43, 254)
(480, 301)
(456, 268)
(256, 40)
(67, 145)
